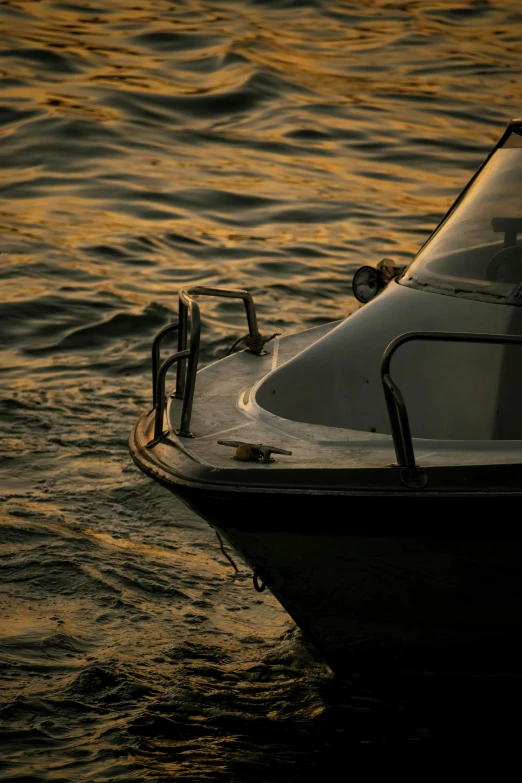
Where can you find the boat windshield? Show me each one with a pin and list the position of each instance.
(476, 252)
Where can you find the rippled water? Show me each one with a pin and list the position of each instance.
(270, 145)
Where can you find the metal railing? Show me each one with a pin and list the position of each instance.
(397, 412)
(187, 358)
(186, 375)
(156, 345)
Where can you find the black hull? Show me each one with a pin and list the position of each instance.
(375, 589)
(374, 576)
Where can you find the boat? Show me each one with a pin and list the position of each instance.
(363, 468)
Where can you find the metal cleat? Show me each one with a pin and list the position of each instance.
(253, 452)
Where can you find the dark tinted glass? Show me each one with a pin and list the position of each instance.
(477, 252)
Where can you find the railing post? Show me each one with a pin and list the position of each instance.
(394, 420)
(182, 346)
(156, 344)
(401, 434)
(160, 394)
(192, 368)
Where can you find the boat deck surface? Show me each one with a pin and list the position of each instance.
(225, 408)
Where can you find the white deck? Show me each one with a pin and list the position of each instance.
(225, 408)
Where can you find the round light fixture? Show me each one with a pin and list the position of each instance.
(367, 282)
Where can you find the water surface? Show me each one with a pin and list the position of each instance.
(274, 146)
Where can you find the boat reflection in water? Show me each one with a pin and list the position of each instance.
(349, 463)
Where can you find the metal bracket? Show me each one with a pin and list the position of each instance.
(259, 581)
(254, 452)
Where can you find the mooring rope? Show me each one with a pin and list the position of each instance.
(222, 547)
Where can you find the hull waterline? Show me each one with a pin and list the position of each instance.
(379, 581)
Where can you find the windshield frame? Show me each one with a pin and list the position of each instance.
(450, 286)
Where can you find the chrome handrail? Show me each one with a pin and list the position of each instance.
(160, 395)
(187, 358)
(156, 344)
(397, 411)
(187, 302)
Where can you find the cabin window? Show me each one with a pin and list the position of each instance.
(476, 252)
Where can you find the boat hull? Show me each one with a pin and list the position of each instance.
(373, 577)
(367, 598)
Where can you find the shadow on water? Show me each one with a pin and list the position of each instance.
(272, 726)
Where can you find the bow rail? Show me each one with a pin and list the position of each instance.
(187, 356)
